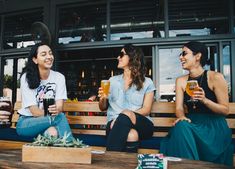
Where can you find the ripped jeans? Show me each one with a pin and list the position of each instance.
(33, 126)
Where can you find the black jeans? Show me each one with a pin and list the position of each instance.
(117, 136)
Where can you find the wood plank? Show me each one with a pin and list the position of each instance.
(231, 123)
(93, 120)
(90, 132)
(163, 107)
(163, 121)
(232, 108)
(6, 144)
(81, 107)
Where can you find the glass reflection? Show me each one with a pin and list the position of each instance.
(85, 22)
(193, 18)
(17, 29)
(131, 19)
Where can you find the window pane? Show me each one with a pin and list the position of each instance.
(170, 68)
(234, 16)
(133, 19)
(85, 22)
(8, 78)
(21, 64)
(17, 29)
(192, 18)
(226, 67)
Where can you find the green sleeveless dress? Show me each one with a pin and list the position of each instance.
(206, 138)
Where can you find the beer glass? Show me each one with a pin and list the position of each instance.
(47, 101)
(6, 116)
(105, 84)
(191, 87)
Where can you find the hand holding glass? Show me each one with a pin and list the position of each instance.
(191, 87)
(47, 101)
(105, 84)
(6, 111)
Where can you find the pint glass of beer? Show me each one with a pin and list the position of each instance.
(105, 84)
(191, 87)
(6, 112)
(47, 101)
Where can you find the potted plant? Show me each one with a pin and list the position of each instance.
(53, 149)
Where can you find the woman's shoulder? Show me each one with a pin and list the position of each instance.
(215, 76)
(56, 74)
(182, 78)
(148, 80)
(116, 77)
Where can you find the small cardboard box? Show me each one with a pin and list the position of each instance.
(56, 154)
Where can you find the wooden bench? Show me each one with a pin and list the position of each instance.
(162, 114)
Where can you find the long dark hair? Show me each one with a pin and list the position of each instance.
(31, 69)
(136, 65)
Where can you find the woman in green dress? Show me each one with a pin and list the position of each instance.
(202, 132)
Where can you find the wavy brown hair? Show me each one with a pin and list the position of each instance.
(136, 65)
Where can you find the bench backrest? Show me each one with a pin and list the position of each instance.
(163, 115)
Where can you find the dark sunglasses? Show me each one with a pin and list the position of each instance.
(121, 54)
(183, 53)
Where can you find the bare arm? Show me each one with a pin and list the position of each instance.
(220, 88)
(147, 104)
(179, 90)
(54, 109)
(179, 111)
(36, 111)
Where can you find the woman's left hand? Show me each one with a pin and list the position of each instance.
(199, 95)
(53, 110)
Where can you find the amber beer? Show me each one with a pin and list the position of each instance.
(105, 84)
(191, 87)
(47, 101)
(7, 108)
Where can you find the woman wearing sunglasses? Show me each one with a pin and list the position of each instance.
(202, 133)
(128, 103)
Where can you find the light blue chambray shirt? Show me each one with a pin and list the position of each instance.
(131, 99)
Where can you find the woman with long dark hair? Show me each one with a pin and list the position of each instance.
(129, 102)
(201, 131)
(37, 82)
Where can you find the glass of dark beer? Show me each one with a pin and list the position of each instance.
(47, 101)
(6, 112)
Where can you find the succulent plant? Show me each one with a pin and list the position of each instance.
(48, 140)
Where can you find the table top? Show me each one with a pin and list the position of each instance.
(116, 160)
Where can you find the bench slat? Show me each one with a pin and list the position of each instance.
(93, 120)
(163, 121)
(86, 131)
(81, 107)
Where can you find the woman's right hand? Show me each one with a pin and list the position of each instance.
(101, 94)
(183, 118)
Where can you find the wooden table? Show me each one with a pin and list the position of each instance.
(11, 159)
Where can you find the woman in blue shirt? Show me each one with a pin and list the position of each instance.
(129, 102)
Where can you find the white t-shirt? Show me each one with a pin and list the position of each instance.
(54, 86)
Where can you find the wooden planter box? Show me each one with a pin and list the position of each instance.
(56, 154)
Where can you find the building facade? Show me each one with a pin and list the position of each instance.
(87, 36)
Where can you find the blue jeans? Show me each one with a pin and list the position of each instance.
(33, 126)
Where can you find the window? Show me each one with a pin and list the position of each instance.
(17, 29)
(134, 19)
(192, 18)
(85, 22)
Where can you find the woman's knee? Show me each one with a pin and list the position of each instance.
(52, 131)
(181, 128)
(133, 136)
(131, 115)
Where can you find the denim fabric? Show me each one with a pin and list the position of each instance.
(32, 126)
